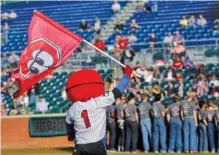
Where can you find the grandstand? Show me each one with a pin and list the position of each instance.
(201, 44)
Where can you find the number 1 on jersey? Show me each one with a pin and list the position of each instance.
(84, 115)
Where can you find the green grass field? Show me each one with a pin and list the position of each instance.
(66, 152)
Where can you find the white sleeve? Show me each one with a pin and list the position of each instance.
(105, 100)
(68, 118)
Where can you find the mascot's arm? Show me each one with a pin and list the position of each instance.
(123, 83)
(70, 127)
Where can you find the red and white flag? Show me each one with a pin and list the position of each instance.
(49, 46)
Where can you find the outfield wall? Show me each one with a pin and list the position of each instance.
(15, 134)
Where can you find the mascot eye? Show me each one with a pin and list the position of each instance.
(43, 58)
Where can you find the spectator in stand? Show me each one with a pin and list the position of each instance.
(14, 111)
(192, 21)
(188, 63)
(42, 105)
(184, 22)
(168, 40)
(178, 39)
(212, 89)
(214, 81)
(178, 63)
(152, 41)
(181, 92)
(100, 44)
(97, 26)
(83, 25)
(13, 88)
(179, 50)
(216, 27)
(132, 38)
(4, 76)
(179, 76)
(202, 86)
(4, 111)
(170, 74)
(4, 61)
(118, 27)
(201, 21)
(13, 59)
(63, 93)
(134, 25)
(116, 7)
(4, 15)
(216, 99)
(5, 33)
(33, 97)
(171, 91)
(12, 15)
(4, 90)
(127, 57)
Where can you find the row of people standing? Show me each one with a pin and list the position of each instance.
(187, 127)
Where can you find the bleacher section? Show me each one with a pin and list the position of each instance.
(167, 19)
(51, 91)
(68, 13)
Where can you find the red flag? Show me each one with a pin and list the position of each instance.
(49, 46)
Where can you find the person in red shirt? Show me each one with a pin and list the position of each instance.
(100, 44)
(178, 63)
(179, 76)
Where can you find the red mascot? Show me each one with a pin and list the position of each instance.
(86, 118)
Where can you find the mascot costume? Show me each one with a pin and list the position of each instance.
(86, 118)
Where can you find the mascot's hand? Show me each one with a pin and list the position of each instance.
(128, 70)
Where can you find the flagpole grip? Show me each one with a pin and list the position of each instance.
(106, 54)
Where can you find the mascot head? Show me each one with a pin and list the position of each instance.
(84, 84)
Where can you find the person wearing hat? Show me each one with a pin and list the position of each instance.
(189, 118)
(144, 109)
(159, 128)
(173, 118)
(131, 118)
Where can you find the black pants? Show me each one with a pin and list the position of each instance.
(96, 148)
(121, 136)
(111, 126)
(131, 135)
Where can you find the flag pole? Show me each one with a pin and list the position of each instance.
(106, 54)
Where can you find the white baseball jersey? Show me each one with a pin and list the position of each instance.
(89, 118)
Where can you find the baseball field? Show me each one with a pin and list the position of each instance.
(66, 151)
